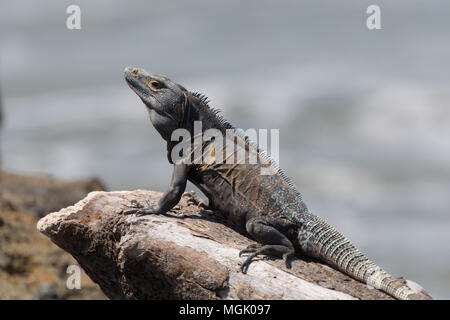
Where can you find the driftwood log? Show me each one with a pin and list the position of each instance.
(189, 253)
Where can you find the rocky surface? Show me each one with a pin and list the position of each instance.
(41, 195)
(188, 253)
(31, 266)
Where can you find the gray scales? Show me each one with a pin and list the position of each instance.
(267, 206)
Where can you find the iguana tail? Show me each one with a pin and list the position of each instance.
(320, 240)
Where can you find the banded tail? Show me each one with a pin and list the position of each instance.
(322, 241)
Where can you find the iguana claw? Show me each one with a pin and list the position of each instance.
(251, 248)
(138, 209)
(257, 249)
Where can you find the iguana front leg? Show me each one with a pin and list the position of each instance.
(169, 199)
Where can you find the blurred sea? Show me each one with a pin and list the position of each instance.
(364, 116)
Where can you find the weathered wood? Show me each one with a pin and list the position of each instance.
(186, 254)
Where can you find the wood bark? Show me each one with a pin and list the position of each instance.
(188, 253)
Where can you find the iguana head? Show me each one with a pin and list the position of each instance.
(165, 100)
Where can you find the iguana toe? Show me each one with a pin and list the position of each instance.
(250, 249)
(138, 209)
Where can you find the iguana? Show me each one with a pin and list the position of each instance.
(267, 206)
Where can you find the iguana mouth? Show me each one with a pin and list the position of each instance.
(135, 84)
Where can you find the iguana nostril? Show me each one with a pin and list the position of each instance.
(133, 71)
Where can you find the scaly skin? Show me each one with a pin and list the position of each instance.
(269, 207)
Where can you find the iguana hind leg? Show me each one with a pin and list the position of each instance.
(271, 242)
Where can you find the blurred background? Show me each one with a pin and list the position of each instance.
(364, 116)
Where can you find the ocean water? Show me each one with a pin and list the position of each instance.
(364, 116)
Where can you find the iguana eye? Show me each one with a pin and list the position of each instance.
(155, 84)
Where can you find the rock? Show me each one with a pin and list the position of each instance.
(28, 259)
(186, 254)
(5, 260)
(48, 291)
(41, 195)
